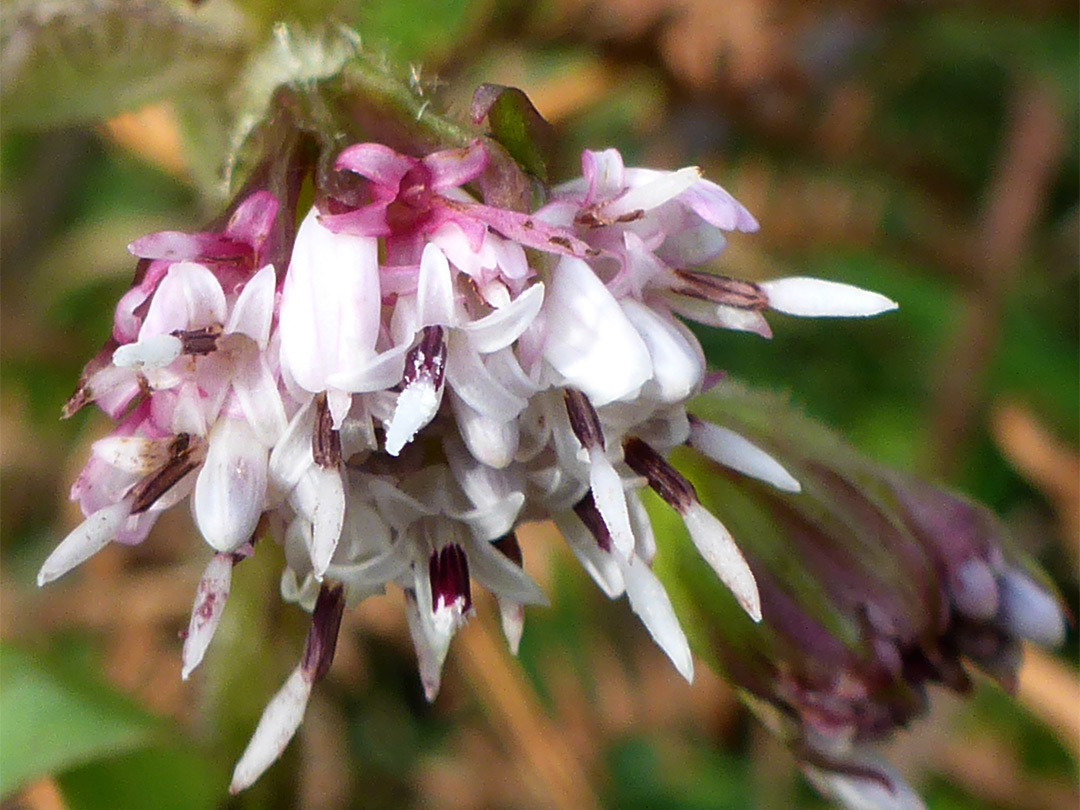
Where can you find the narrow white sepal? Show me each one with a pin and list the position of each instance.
(715, 544)
(732, 450)
(610, 499)
(86, 540)
(416, 406)
(278, 724)
(430, 652)
(512, 615)
(328, 519)
(210, 598)
(650, 602)
(155, 351)
(817, 298)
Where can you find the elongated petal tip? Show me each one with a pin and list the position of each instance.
(718, 549)
(1028, 612)
(86, 540)
(610, 499)
(650, 602)
(329, 518)
(732, 450)
(512, 615)
(817, 298)
(416, 406)
(278, 724)
(210, 599)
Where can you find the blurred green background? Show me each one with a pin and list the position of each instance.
(926, 151)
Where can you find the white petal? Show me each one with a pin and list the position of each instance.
(589, 340)
(88, 538)
(645, 547)
(662, 187)
(863, 788)
(278, 724)
(328, 518)
(650, 602)
(430, 650)
(375, 373)
(732, 450)
(607, 490)
(678, 366)
(715, 544)
(210, 599)
(817, 298)
(231, 489)
(377, 571)
(416, 406)
(291, 456)
(491, 441)
(719, 315)
(600, 565)
(512, 616)
(477, 386)
(154, 351)
(505, 325)
(435, 289)
(496, 572)
(254, 308)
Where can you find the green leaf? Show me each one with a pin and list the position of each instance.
(516, 124)
(84, 61)
(165, 778)
(54, 721)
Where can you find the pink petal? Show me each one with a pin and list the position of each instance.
(378, 163)
(455, 167)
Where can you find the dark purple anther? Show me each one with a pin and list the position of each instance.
(323, 633)
(427, 358)
(448, 570)
(584, 420)
(668, 482)
(325, 441)
(588, 513)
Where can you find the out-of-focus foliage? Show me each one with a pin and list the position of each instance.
(928, 153)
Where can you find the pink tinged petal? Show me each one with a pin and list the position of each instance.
(113, 388)
(607, 490)
(817, 298)
(678, 366)
(253, 219)
(716, 546)
(590, 342)
(490, 441)
(376, 162)
(717, 207)
(154, 351)
(189, 297)
(88, 538)
(231, 489)
(210, 598)
(435, 289)
(178, 247)
(732, 450)
(330, 304)
(278, 724)
(253, 311)
(653, 193)
(260, 399)
(455, 167)
(504, 364)
(369, 220)
(328, 518)
(510, 257)
(602, 566)
(650, 602)
(506, 324)
(720, 315)
(604, 173)
(338, 403)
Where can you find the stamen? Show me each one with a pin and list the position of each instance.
(448, 572)
(584, 420)
(721, 290)
(419, 401)
(198, 341)
(668, 482)
(185, 455)
(325, 441)
(594, 521)
(323, 633)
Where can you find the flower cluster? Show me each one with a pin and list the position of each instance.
(426, 373)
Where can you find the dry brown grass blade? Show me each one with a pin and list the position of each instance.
(1051, 692)
(151, 133)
